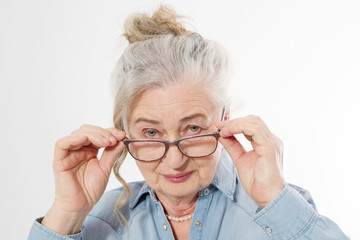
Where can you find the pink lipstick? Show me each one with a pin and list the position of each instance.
(179, 177)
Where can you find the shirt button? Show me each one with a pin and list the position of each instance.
(206, 191)
(268, 230)
(165, 227)
(198, 223)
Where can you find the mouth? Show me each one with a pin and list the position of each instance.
(179, 177)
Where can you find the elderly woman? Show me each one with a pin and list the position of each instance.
(171, 114)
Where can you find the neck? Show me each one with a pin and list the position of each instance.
(178, 207)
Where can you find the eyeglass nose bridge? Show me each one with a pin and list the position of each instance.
(176, 143)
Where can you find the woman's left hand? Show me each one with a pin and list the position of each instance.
(260, 170)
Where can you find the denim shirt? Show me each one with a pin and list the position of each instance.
(223, 211)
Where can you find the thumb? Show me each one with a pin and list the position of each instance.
(109, 156)
(233, 147)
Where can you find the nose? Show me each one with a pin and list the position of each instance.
(174, 158)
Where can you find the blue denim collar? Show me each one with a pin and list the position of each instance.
(225, 175)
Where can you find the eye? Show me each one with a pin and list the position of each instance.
(151, 133)
(194, 129)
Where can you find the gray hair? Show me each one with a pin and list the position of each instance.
(166, 60)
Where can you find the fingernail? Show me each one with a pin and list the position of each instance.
(120, 133)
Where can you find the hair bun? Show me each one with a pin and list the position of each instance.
(140, 27)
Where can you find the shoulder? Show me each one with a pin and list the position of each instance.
(104, 209)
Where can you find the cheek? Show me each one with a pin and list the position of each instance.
(207, 169)
(148, 170)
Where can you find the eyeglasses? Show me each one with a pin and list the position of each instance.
(197, 146)
(148, 150)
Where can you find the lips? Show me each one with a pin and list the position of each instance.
(179, 177)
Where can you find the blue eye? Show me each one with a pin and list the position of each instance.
(194, 129)
(151, 133)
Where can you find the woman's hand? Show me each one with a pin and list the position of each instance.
(260, 170)
(80, 177)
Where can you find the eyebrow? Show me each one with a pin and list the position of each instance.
(142, 119)
(192, 116)
(184, 119)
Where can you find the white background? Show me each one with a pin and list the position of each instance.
(297, 65)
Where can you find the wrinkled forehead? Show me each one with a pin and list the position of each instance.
(173, 104)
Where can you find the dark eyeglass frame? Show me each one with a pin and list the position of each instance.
(167, 143)
(175, 142)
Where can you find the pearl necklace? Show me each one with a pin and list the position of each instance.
(180, 219)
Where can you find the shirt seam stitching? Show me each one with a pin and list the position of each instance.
(306, 227)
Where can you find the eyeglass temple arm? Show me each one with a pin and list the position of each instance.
(223, 114)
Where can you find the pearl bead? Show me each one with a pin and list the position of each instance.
(180, 219)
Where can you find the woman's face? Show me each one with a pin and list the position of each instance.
(171, 113)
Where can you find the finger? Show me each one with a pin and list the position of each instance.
(63, 145)
(252, 119)
(71, 141)
(118, 134)
(109, 156)
(112, 135)
(107, 135)
(77, 141)
(252, 132)
(258, 121)
(233, 147)
(97, 136)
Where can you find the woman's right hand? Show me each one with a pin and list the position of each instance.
(80, 177)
